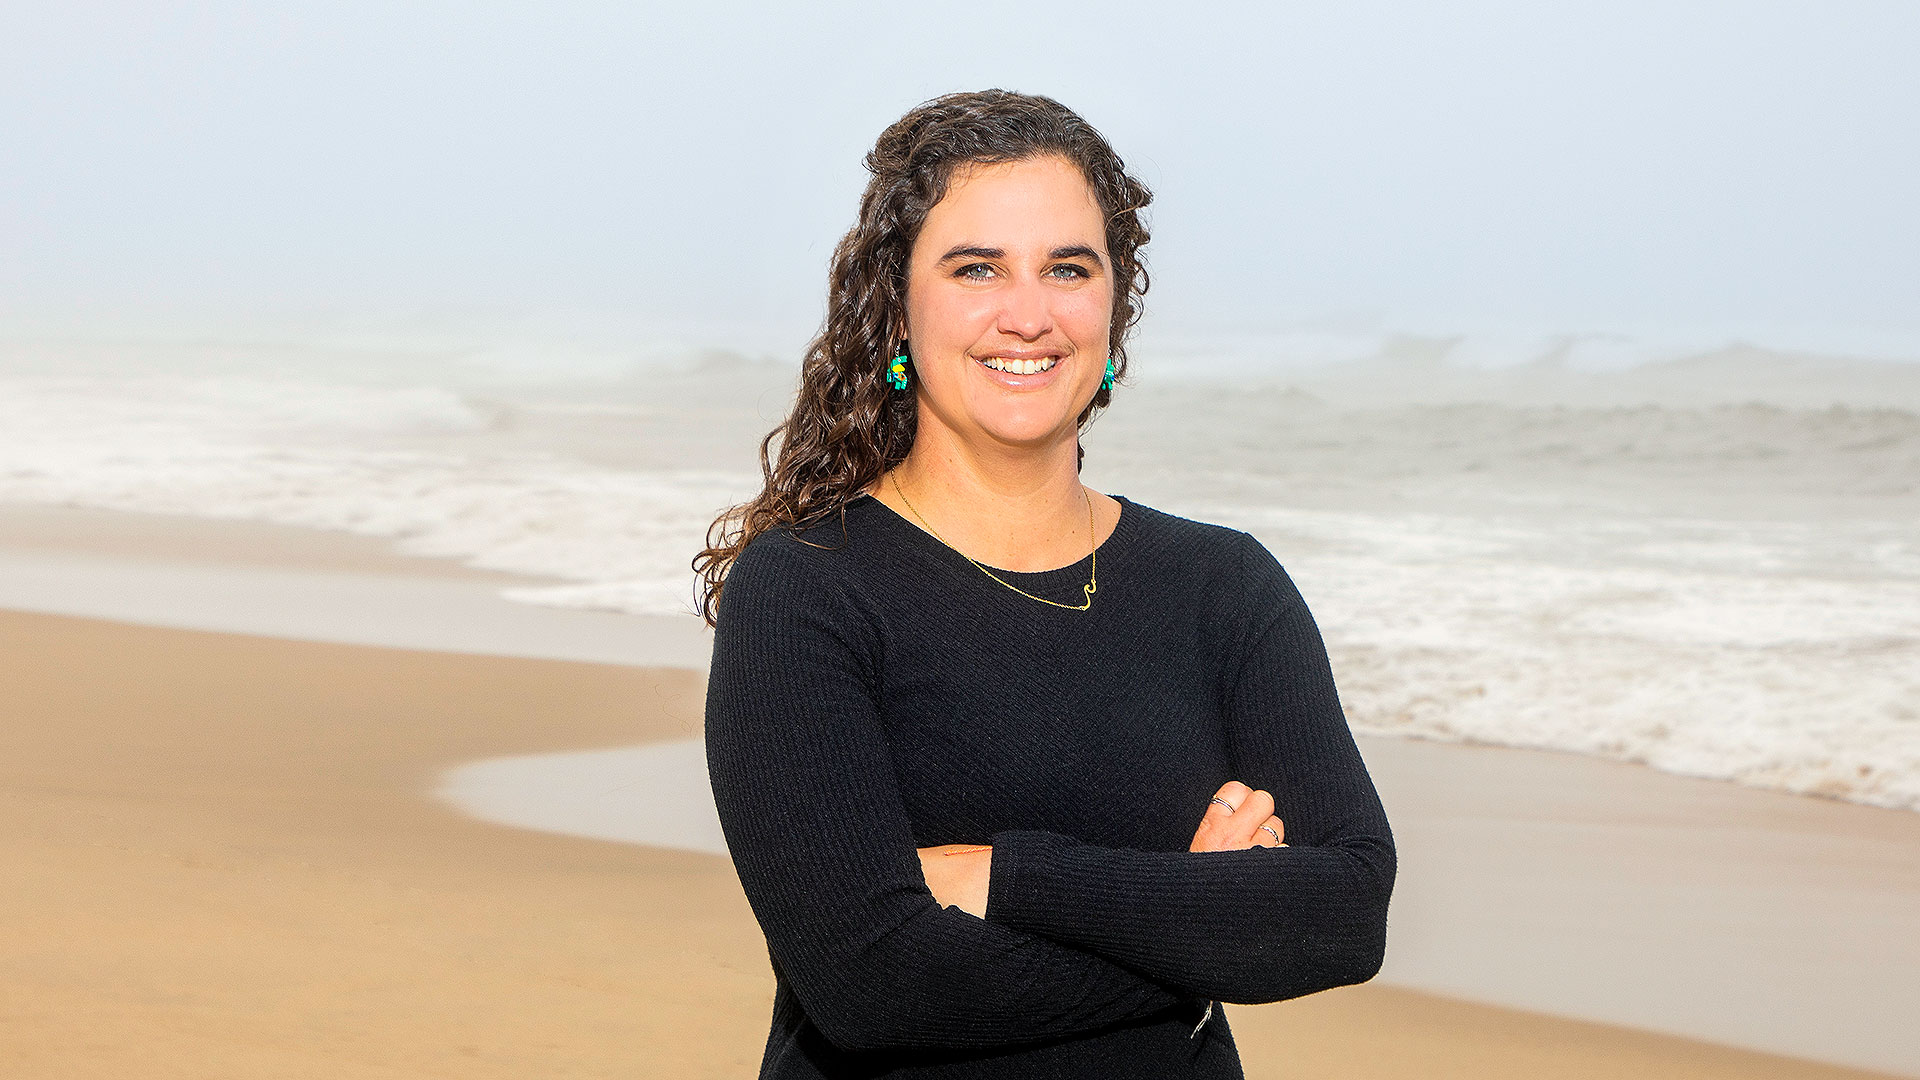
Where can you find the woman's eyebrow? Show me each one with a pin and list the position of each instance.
(965, 252)
(1076, 251)
(1071, 251)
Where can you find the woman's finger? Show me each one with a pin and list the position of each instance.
(1271, 833)
(1226, 802)
(1216, 820)
(1258, 808)
(1243, 829)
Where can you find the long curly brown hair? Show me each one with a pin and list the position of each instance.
(848, 426)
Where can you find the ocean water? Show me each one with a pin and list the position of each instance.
(1710, 563)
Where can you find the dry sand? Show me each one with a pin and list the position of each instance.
(222, 861)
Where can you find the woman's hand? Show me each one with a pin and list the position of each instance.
(957, 875)
(1238, 824)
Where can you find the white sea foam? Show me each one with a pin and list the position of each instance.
(397, 462)
(1669, 573)
(1493, 634)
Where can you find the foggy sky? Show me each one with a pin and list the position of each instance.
(618, 166)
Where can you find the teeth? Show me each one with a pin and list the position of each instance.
(1019, 367)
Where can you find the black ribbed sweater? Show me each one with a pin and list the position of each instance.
(878, 693)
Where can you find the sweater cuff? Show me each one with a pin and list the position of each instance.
(1012, 897)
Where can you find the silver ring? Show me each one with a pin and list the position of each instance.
(1270, 832)
(1231, 809)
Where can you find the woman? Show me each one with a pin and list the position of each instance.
(1020, 778)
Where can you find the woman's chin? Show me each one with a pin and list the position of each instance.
(1037, 429)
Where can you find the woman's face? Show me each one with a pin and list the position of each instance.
(1010, 271)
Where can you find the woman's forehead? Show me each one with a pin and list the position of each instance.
(1038, 201)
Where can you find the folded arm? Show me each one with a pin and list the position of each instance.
(1256, 925)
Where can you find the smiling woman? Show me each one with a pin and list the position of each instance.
(996, 816)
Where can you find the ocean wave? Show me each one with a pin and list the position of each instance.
(323, 457)
(1504, 635)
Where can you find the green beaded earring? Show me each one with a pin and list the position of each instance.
(897, 374)
(1106, 381)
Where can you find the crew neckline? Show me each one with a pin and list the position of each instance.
(1111, 546)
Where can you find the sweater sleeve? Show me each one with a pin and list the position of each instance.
(818, 831)
(1252, 926)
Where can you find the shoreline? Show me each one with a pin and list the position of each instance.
(302, 584)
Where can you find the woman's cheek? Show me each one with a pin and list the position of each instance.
(953, 319)
(1088, 316)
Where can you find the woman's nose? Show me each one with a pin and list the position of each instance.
(1026, 310)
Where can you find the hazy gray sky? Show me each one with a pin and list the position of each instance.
(1567, 165)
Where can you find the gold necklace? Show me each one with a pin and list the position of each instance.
(1093, 569)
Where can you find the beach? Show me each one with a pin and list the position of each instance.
(229, 859)
(385, 391)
